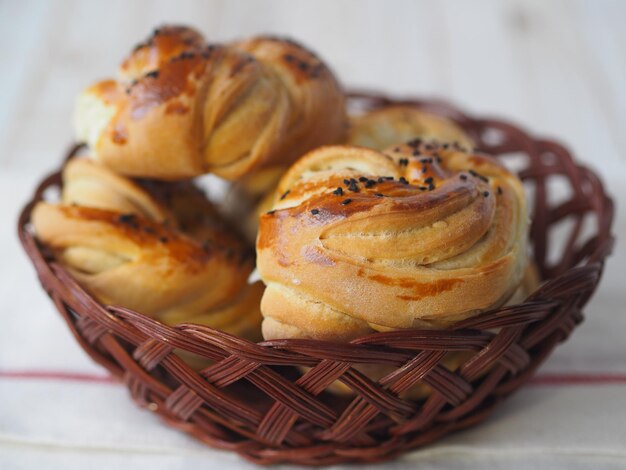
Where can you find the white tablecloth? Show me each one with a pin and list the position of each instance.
(557, 67)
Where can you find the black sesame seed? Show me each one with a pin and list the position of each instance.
(403, 161)
(422, 188)
(414, 143)
(428, 180)
(206, 53)
(126, 218)
(479, 176)
(431, 187)
(184, 55)
(338, 192)
(499, 190)
(163, 239)
(284, 195)
(153, 74)
(315, 211)
(403, 180)
(271, 212)
(370, 183)
(424, 169)
(463, 177)
(378, 195)
(345, 202)
(346, 182)
(353, 186)
(485, 193)
(316, 71)
(416, 153)
(362, 179)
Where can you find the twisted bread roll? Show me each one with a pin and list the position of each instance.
(157, 248)
(182, 108)
(86, 183)
(421, 235)
(384, 127)
(377, 129)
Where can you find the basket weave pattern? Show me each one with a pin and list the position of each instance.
(255, 400)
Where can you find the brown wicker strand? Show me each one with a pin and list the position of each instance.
(270, 402)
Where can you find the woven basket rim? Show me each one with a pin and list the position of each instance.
(390, 348)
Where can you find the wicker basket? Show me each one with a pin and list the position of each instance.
(254, 399)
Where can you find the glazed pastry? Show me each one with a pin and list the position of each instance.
(387, 126)
(377, 129)
(179, 205)
(422, 235)
(157, 248)
(87, 183)
(181, 108)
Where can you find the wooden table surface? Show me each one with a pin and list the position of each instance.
(557, 67)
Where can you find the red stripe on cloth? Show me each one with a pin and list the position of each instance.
(58, 376)
(578, 379)
(545, 379)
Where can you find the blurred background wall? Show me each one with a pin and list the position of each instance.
(556, 66)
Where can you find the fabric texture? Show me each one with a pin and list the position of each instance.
(58, 409)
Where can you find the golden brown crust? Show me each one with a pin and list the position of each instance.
(382, 128)
(377, 129)
(309, 84)
(86, 183)
(421, 235)
(158, 248)
(132, 262)
(160, 47)
(210, 108)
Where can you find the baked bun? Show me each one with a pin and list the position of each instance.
(384, 127)
(87, 183)
(422, 235)
(181, 108)
(157, 248)
(377, 129)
